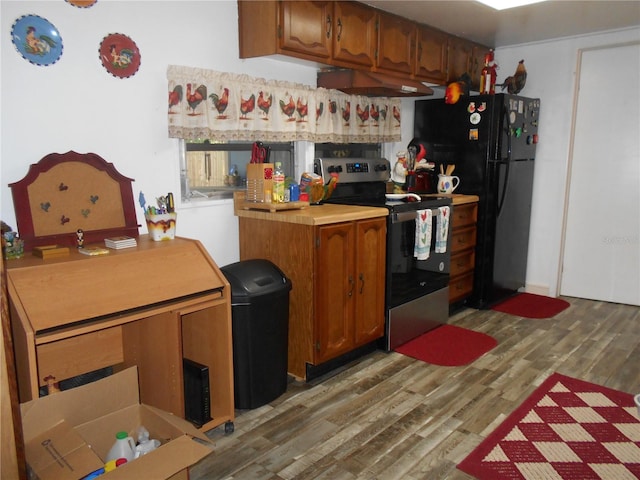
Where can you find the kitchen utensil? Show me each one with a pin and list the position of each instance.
(450, 169)
(259, 153)
(411, 158)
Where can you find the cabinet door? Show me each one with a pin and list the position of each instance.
(306, 28)
(354, 34)
(431, 55)
(370, 250)
(335, 290)
(396, 38)
(459, 59)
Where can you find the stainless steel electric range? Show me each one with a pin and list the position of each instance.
(417, 292)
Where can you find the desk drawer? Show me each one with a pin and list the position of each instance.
(463, 238)
(61, 359)
(462, 262)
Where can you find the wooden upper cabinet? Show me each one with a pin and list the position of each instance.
(306, 28)
(459, 62)
(354, 34)
(396, 44)
(431, 54)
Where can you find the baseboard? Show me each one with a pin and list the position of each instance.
(537, 289)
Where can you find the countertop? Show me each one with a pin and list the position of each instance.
(326, 213)
(310, 215)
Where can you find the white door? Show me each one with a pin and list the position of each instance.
(602, 237)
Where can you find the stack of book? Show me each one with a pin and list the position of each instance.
(120, 242)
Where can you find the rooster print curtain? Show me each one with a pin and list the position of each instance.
(226, 106)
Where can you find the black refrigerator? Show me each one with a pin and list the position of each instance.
(491, 140)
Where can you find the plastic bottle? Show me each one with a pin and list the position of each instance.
(124, 447)
(278, 184)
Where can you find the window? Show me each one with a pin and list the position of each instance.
(210, 169)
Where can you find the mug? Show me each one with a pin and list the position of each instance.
(447, 183)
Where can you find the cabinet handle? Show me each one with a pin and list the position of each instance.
(339, 28)
(350, 285)
(328, 26)
(361, 277)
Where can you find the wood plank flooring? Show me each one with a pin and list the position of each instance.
(388, 416)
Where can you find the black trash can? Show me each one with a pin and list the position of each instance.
(260, 330)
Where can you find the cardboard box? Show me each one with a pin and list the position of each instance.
(68, 434)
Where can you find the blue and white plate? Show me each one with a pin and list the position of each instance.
(37, 40)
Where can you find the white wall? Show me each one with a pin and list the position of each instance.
(551, 68)
(76, 105)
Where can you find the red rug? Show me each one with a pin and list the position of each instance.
(567, 429)
(449, 346)
(531, 306)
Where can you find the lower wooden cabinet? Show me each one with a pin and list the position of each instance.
(463, 242)
(337, 273)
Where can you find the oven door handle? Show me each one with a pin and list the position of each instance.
(398, 217)
(403, 217)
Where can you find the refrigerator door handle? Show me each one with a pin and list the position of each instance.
(505, 119)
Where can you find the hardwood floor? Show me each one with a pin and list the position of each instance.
(388, 416)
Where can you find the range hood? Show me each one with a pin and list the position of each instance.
(356, 82)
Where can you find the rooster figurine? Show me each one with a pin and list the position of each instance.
(515, 83)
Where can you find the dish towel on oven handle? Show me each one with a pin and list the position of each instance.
(422, 244)
(442, 229)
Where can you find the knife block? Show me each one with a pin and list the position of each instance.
(259, 182)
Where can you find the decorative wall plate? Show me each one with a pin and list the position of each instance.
(82, 3)
(119, 55)
(37, 40)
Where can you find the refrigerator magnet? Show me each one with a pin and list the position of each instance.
(482, 107)
(472, 107)
(473, 134)
(475, 118)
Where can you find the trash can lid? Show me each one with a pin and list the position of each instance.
(256, 277)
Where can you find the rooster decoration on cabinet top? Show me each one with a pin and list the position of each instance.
(515, 83)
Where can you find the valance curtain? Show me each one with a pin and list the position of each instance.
(205, 104)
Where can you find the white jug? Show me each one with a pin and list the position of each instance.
(447, 183)
(124, 447)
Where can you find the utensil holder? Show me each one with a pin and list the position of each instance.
(161, 226)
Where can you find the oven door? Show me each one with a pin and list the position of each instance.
(417, 290)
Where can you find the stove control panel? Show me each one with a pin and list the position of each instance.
(353, 170)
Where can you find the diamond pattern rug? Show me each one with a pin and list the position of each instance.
(567, 429)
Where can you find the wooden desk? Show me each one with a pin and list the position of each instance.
(149, 306)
